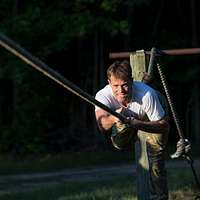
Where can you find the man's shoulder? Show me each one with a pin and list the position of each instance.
(141, 84)
(104, 93)
(105, 90)
(142, 87)
(142, 91)
(106, 97)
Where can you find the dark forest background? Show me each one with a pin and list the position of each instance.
(75, 38)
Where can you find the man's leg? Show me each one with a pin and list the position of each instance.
(158, 176)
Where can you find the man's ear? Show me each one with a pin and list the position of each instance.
(109, 82)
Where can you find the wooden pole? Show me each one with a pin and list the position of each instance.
(137, 60)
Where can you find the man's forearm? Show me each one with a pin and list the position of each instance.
(161, 126)
(105, 122)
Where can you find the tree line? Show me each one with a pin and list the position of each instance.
(75, 39)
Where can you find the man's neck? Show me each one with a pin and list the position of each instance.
(127, 101)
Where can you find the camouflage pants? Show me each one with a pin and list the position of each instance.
(155, 144)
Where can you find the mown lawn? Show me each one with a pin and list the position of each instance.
(181, 186)
(49, 163)
(68, 160)
(181, 180)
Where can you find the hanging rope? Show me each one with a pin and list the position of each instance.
(183, 145)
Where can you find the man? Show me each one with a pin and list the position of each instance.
(140, 104)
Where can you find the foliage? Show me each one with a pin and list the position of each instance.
(41, 119)
(45, 117)
(109, 186)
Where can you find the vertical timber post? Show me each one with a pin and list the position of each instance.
(138, 64)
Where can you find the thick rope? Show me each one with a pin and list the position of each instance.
(24, 55)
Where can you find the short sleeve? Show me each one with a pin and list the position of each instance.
(152, 106)
(103, 99)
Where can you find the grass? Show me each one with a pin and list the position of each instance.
(49, 162)
(46, 163)
(181, 180)
(119, 188)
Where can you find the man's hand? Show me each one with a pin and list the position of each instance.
(123, 134)
(133, 122)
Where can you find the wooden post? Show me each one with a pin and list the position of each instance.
(138, 64)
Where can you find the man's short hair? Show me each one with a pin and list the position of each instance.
(120, 69)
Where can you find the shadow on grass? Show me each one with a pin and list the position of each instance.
(116, 189)
(181, 186)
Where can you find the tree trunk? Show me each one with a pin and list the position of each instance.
(157, 20)
(98, 74)
(195, 114)
(193, 20)
(16, 6)
(128, 40)
(96, 64)
(81, 109)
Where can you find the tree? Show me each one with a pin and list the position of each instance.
(58, 26)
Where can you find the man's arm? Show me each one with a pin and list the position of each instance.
(105, 120)
(159, 126)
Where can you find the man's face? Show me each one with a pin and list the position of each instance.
(121, 88)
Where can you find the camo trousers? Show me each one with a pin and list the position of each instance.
(156, 144)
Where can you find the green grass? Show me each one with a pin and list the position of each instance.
(45, 163)
(115, 189)
(180, 180)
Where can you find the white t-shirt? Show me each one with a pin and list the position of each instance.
(144, 102)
